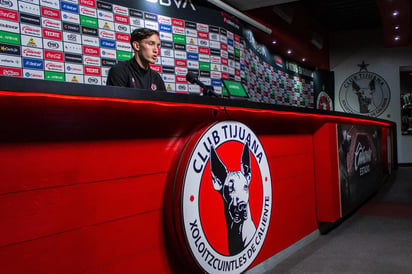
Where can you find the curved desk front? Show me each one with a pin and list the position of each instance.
(93, 179)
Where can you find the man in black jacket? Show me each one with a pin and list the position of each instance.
(136, 73)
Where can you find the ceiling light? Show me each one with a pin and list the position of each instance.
(397, 27)
(274, 42)
(397, 37)
(395, 13)
(289, 51)
(303, 59)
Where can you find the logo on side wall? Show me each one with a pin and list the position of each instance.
(324, 101)
(226, 197)
(364, 93)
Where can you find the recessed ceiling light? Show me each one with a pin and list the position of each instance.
(397, 37)
(303, 59)
(397, 27)
(274, 42)
(395, 13)
(289, 51)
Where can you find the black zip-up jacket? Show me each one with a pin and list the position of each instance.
(130, 74)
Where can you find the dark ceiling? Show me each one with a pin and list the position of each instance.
(338, 15)
(334, 15)
(305, 25)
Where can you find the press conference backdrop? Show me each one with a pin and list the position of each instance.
(79, 40)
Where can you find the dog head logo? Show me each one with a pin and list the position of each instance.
(226, 197)
(234, 188)
(364, 93)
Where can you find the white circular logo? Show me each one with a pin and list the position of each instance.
(364, 93)
(226, 198)
(324, 101)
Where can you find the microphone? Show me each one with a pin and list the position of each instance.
(207, 90)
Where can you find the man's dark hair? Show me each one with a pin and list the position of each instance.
(142, 33)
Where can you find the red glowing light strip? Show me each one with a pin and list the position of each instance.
(86, 98)
(332, 118)
(314, 115)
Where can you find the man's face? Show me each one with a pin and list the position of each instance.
(148, 49)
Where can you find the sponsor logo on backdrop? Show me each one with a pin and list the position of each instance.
(73, 58)
(104, 15)
(71, 37)
(30, 19)
(9, 4)
(89, 31)
(364, 93)
(69, 7)
(53, 66)
(91, 61)
(109, 63)
(72, 48)
(120, 10)
(33, 63)
(52, 13)
(93, 80)
(122, 28)
(180, 71)
(55, 4)
(31, 41)
(73, 68)
(71, 27)
(9, 15)
(74, 78)
(12, 72)
(10, 49)
(180, 4)
(32, 52)
(104, 6)
(90, 40)
(108, 53)
(51, 23)
(34, 74)
(52, 44)
(107, 34)
(9, 26)
(136, 22)
(89, 3)
(53, 55)
(88, 12)
(227, 167)
(164, 20)
(30, 30)
(27, 8)
(10, 61)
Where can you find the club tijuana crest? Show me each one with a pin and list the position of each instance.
(226, 198)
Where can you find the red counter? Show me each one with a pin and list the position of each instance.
(86, 172)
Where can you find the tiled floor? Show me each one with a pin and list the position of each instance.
(377, 238)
